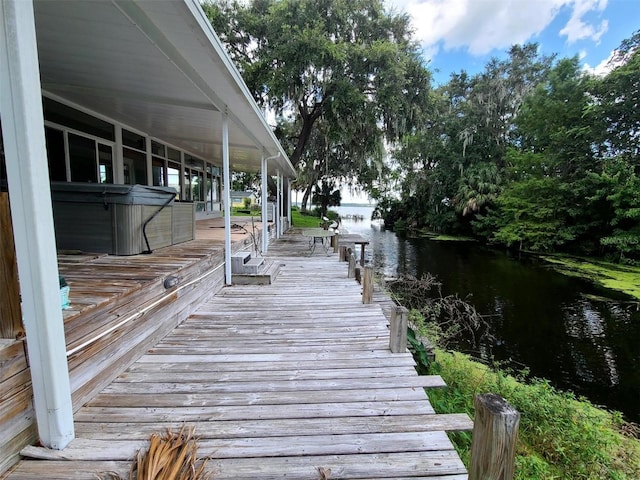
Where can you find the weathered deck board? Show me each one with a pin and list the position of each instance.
(278, 380)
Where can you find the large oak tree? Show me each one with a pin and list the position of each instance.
(341, 76)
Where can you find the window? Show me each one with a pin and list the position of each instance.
(89, 161)
(134, 158)
(105, 163)
(55, 154)
(135, 167)
(158, 149)
(173, 176)
(158, 171)
(193, 179)
(133, 140)
(67, 116)
(82, 159)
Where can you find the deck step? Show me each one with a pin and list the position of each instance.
(263, 276)
(238, 261)
(251, 266)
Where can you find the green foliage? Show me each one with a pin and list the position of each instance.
(533, 214)
(341, 76)
(560, 436)
(304, 220)
(619, 185)
(310, 219)
(532, 153)
(325, 196)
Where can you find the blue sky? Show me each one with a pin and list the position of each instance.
(464, 34)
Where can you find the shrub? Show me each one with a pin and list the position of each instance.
(560, 436)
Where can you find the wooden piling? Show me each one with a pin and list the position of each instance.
(352, 264)
(10, 311)
(335, 243)
(367, 285)
(398, 329)
(494, 438)
(343, 253)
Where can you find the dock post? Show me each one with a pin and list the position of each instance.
(367, 285)
(495, 432)
(335, 243)
(398, 329)
(352, 264)
(343, 253)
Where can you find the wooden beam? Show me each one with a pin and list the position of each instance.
(367, 285)
(351, 273)
(398, 329)
(495, 432)
(10, 313)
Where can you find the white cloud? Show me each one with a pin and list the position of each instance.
(480, 26)
(605, 66)
(577, 29)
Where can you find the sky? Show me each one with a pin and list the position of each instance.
(460, 35)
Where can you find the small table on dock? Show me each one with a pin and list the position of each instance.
(318, 235)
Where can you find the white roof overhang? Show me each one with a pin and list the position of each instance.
(158, 67)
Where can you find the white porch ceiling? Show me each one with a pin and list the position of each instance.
(158, 67)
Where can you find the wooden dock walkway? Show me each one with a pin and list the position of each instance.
(287, 380)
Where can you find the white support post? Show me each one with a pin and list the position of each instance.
(278, 209)
(265, 215)
(118, 173)
(289, 202)
(181, 179)
(147, 140)
(227, 197)
(30, 196)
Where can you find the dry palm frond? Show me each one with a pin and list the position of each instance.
(325, 473)
(172, 456)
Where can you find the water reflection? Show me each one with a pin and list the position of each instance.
(577, 335)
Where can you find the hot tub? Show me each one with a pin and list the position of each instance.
(107, 218)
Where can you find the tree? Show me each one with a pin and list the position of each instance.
(326, 196)
(346, 64)
(619, 185)
(616, 100)
(534, 209)
(452, 167)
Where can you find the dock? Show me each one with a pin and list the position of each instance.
(289, 380)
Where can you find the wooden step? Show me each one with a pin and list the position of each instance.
(251, 266)
(264, 276)
(238, 261)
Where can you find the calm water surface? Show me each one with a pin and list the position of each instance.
(581, 337)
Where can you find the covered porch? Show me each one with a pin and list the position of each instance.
(114, 93)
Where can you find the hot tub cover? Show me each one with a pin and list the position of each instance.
(108, 193)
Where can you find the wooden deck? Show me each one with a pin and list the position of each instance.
(279, 381)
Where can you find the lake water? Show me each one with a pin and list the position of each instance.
(581, 337)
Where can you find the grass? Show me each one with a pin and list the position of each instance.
(560, 436)
(300, 220)
(623, 278)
